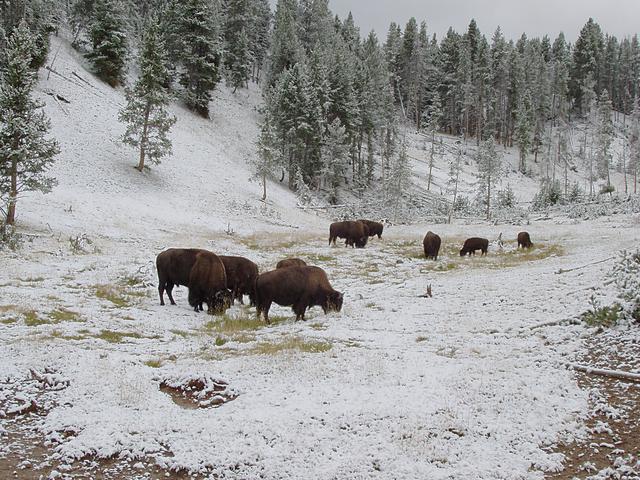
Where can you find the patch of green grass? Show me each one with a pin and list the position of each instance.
(220, 341)
(318, 326)
(113, 336)
(32, 319)
(112, 294)
(153, 363)
(32, 279)
(180, 333)
(132, 281)
(8, 321)
(601, 316)
(227, 324)
(291, 343)
(319, 258)
(64, 315)
(59, 335)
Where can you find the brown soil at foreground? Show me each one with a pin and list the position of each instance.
(613, 444)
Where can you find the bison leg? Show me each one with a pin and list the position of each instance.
(299, 309)
(161, 292)
(266, 313)
(169, 289)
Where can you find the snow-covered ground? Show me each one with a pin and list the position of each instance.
(394, 386)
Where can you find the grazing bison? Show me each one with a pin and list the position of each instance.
(208, 283)
(474, 243)
(299, 287)
(174, 267)
(241, 277)
(375, 228)
(355, 233)
(524, 240)
(291, 262)
(431, 245)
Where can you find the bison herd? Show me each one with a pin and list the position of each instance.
(219, 280)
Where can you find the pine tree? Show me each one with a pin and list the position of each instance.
(195, 43)
(634, 145)
(108, 41)
(587, 54)
(399, 179)
(237, 58)
(524, 130)
(285, 45)
(604, 137)
(335, 157)
(489, 169)
(25, 152)
(269, 155)
(260, 24)
(145, 113)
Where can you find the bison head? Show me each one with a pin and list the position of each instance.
(462, 252)
(361, 242)
(220, 302)
(334, 302)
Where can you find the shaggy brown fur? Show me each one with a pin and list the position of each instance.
(375, 228)
(241, 277)
(299, 287)
(431, 244)
(524, 240)
(291, 262)
(355, 234)
(474, 243)
(208, 283)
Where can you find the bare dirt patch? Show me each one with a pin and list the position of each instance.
(612, 447)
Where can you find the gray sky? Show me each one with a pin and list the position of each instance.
(535, 17)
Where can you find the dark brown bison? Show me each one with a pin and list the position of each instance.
(375, 228)
(208, 283)
(431, 244)
(174, 267)
(241, 277)
(291, 262)
(474, 243)
(524, 240)
(299, 287)
(355, 234)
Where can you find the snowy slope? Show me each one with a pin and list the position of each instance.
(204, 185)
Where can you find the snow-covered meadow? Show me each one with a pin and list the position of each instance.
(465, 384)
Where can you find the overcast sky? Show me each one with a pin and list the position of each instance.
(535, 17)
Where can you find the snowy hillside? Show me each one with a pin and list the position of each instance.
(204, 186)
(97, 379)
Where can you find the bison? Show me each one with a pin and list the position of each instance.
(431, 245)
(208, 283)
(174, 267)
(474, 243)
(524, 240)
(299, 287)
(355, 233)
(291, 262)
(375, 228)
(241, 277)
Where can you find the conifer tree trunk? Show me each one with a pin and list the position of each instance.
(13, 193)
(143, 140)
(264, 187)
(488, 197)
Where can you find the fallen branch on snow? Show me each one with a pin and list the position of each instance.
(562, 270)
(552, 323)
(634, 377)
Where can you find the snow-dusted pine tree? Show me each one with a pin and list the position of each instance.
(399, 181)
(25, 152)
(489, 169)
(237, 57)
(335, 158)
(524, 129)
(196, 44)
(269, 155)
(109, 41)
(604, 137)
(145, 113)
